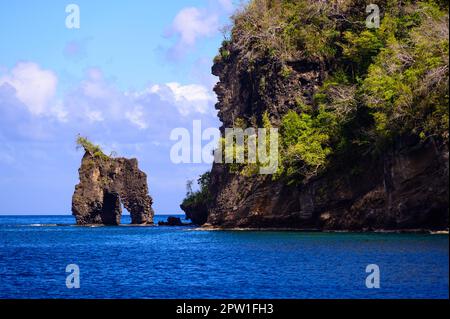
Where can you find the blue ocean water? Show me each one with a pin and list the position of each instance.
(182, 262)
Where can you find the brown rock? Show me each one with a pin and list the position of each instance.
(105, 184)
(406, 187)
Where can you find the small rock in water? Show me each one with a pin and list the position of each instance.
(173, 221)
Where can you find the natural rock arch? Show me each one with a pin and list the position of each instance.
(105, 184)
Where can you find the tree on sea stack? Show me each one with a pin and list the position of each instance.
(91, 148)
(106, 184)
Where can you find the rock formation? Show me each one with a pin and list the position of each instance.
(406, 186)
(105, 185)
(405, 189)
(173, 222)
(197, 213)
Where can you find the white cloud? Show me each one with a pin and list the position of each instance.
(96, 106)
(136, 117)
(60, 112)
(94, 116)
(188, 99)
(96, 100)
(193, 23)
(34, 86)
(95, 86)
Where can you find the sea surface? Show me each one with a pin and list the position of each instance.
(182, 262)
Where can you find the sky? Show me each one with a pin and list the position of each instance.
(131, 73)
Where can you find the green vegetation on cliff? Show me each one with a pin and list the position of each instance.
(359, 89)
(201, 196)
(379, 84)
(92, 149)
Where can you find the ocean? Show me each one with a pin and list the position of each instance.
(183, 262)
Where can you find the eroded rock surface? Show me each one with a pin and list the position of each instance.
(105, 185)
(405, 187)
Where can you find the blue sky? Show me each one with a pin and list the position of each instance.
(131, 73)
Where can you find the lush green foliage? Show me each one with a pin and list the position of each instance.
(287, 28)
(91, 148)
(224, 53)
(406, 87)
(304, 145)
(201, 196)
(377, 84)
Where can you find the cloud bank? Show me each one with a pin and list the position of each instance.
(29, 103)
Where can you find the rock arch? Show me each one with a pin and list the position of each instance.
(105, 184)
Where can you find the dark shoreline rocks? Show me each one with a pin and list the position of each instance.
(198, 214)
(174, 222)
(208, 227)
(406, 189)
(105, 185)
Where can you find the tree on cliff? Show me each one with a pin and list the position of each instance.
(92, 149)
(378, 84)
(362, 114)
(200, 196)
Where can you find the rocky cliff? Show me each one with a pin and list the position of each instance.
(394, 182)
(106, 184)
(407, 188)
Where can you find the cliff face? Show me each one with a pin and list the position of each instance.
(197, 213)
(405, 189)
(107, 183)
(405, 186)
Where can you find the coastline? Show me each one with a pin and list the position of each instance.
(315, 230)
(266, 229)
(209, 227)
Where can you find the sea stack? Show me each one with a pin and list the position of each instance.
(107, 183)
